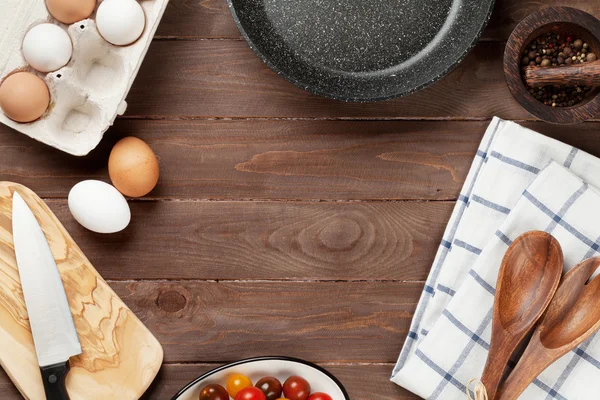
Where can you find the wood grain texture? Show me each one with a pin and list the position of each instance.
(572, 317)
(508, 13)
(334, 160)
(587, 74)
(268, 240)
(337, 160)
(301, 162)
(202, 19)
(120, 356)
(527, 280)
(226, 79)
(197, 19)
(8, 390)
(337, 322)
(361, 380)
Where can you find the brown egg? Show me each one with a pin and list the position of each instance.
(133, 167)
(70, 11)
(24, 97)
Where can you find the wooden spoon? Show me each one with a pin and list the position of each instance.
(586, 74)
(572, 316)
(528, 278)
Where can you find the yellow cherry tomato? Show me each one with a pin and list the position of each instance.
(237, 382)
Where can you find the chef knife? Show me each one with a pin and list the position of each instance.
(52, 326)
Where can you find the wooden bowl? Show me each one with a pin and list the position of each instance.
(563, 21)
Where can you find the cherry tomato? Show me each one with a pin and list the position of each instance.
(296, 388)
(319, 396)
(214, 392)
(271, 387)
(237, 382)
(250, 393)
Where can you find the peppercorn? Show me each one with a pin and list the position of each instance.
(548, 51)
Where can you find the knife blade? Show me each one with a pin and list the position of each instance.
(50, 318)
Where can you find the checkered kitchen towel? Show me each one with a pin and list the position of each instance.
(435, 363)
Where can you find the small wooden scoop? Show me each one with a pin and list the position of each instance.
(586, 74)
(572, 316)
(528, 278)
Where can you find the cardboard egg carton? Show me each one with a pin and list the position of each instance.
(89, 92)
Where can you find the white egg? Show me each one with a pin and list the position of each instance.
(99, 207)
(120, 22)
(47, 47)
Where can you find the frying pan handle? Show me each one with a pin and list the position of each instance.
(54, 377)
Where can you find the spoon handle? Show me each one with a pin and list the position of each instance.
(535, 359)
(572, 316)
(495, 366)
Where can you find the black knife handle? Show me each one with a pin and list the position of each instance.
(54, 377)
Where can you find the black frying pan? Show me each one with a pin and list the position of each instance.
(361, 50)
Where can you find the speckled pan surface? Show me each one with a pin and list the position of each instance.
(361, 50)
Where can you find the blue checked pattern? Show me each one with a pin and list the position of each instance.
(446, 346)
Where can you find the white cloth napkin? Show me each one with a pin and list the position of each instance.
(450, 333)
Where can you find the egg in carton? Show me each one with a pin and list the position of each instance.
(87, 93)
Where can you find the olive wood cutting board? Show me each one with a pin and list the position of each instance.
(120, 356)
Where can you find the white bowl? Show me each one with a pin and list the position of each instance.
(256, 368)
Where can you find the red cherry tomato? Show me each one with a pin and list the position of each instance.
(250, 393)
(214, 392)
(271, 387)
(319, 396)
(296, 388)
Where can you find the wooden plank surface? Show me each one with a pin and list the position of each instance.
(320, 160)
(272, 199)
(224, 78)
(289, 160)
(268, 240)
(363, 381)
(211, 18)
(342, 322)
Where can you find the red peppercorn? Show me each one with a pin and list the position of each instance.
(550, 46)
(569, 39)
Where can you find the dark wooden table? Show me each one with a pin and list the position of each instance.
(283, 223)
